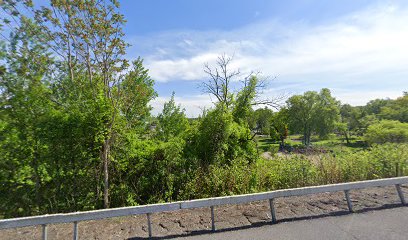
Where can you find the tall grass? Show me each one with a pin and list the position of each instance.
(290, 171)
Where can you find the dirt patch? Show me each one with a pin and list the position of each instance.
(227, 217)
(266, 155)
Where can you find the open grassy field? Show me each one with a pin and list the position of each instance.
(332, 143)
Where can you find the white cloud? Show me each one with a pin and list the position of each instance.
(360, 56)
(181, 69)
(370, 41)
(347, 96)
(193, 105)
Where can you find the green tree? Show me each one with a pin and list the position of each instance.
(279, 127)
(350, 121)
(172, 122)
(89, 34)
(261, 121)
(387, 131)
(373, 107)
(25, 106)
(396, 109)
(238, 104)
(367, 121)
(242, 107)
(313, 112)
(91, 75)
(220, 139)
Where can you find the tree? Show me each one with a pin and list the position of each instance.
(240, 103)
(220, 81)
(220, 139)
(242, 108)
(387, 131)
(92, 33)
(25, 105)
(350, 121)
(261, 121)
(373, 107)
(313, 112)
(396, 109)
(172, 122)
(224, 132)
(279, 127)
(87, 39)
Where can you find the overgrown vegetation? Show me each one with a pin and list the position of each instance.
(387, 131)
(297, 170)
(76, 131)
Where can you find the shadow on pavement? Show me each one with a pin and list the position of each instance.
(261, 224)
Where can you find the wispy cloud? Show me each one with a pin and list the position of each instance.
(372, 40)
(349, 96)
(365, 51)
(193, 104)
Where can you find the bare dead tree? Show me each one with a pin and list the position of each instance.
(220, 79)
(274, 101)
(219, 84)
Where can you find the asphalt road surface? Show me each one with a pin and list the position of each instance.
(381, 224)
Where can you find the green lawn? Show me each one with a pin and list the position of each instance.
(334, 143)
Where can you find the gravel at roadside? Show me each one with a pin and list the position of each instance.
(227, 217)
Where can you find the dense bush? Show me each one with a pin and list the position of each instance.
(294, 170)
(220, 139)
(387, 131)
(222, 180)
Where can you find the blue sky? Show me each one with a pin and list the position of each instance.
(357, 48)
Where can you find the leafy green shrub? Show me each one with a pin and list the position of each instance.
(273, 149)
(222, 180)
(387, 131)
(379, 161)
(283, 172)
(288, 171)
(221, 140)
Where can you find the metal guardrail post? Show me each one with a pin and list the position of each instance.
(400, 194)
(44, 232)
(76, 217)
(212, 219)
(149, 225)
(273, 215)
(75, 231)
(349, 203)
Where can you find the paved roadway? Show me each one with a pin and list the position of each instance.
(386, 224)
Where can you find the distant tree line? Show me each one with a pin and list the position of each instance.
(313, 113)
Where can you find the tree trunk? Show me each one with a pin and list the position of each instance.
(37, 188)
(347, 137)
(282, 144)
(304, 140)
(307, 137)
(105, 159)
(37, 179)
